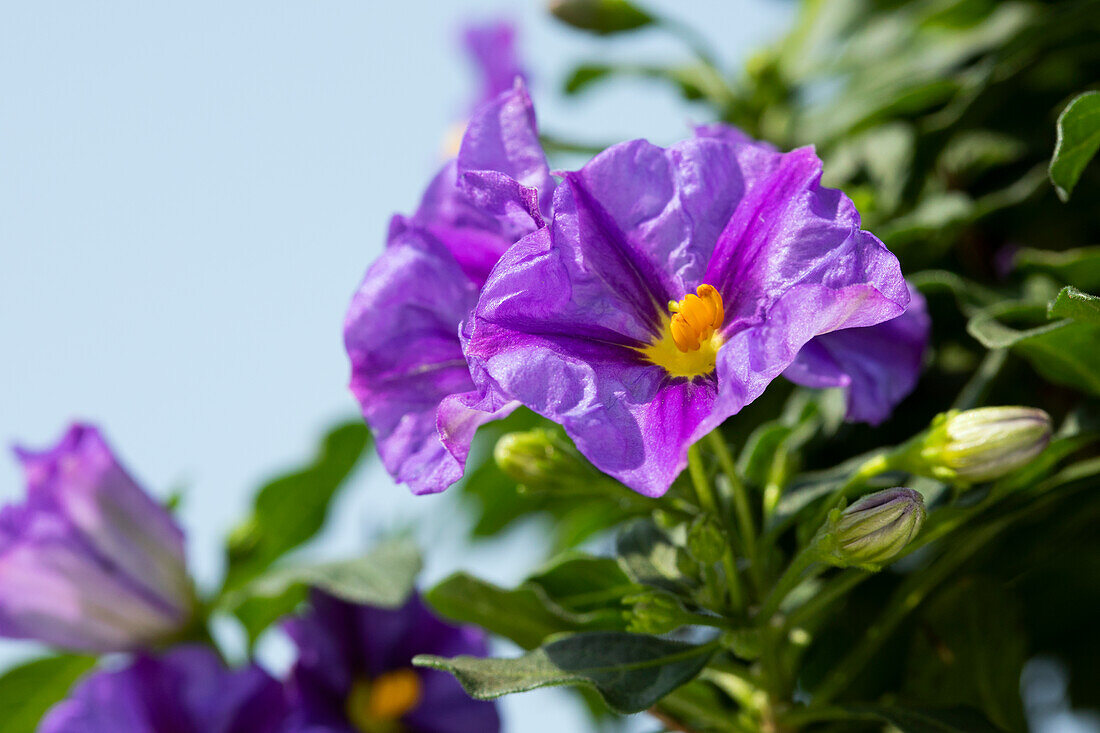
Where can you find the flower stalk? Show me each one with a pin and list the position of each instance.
(709, 504)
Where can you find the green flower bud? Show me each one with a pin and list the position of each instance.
(600, 16)
(539, 459)
(705, 541)
(872, 531)
(654, 612)
(964, 448)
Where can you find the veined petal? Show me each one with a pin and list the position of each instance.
(503, 136)
(81, 480)
(401, 334)
(562, 319)
(89, 562)
(879, 365)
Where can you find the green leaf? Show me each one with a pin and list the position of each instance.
(292, 509)
(577, 594)
(1063, 352)
(583, 583)
(1078, 267)
(1072, 303)
(602, 17)
(385, 577)
(1078, 140)
(650, 557)
(630, 672)
(920, 720)
(29, 690)
(970, 650)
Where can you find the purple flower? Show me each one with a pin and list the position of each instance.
(187, 690)
(402, 328)
(492, 46)
(878, 366)
(354, 671)
(89, 561)
(670, 287)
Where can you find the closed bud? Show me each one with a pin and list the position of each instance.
(964, 448)
(654, 612)
(873, 530)
(600, 16)
(704, 541)
(539, 459)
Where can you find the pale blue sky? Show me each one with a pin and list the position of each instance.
(190, 192)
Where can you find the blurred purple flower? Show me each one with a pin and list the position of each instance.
(354, 671)
(187, 690)
(878, 366)
(402, 327)
(89, 561)
(492, 46)
(670, 287)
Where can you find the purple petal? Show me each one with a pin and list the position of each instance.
(82, 481)
(640, 226)
(186, 690)
(89, 561)
(729, 134)
(503, 136)
(401, 335)
(492, 46)
(402, 328)
(879, 365)
(339, 642)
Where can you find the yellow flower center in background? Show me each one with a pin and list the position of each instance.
(374, 706)
(689, 340)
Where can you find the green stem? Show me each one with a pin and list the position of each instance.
(741, 507)
(708, 504)
(873, 466)
(787, 582)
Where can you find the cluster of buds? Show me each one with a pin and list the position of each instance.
(964, 448)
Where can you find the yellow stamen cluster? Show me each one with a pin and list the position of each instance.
(373, 706)
(689, 341)
(696, 318)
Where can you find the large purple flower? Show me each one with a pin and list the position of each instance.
(670, 287)
(89, 561)
(354, 671)
(877, 366)
(492, 46)
(187, 690)
(402, 328)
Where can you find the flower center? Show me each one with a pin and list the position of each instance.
(374, 706)
(689, 340)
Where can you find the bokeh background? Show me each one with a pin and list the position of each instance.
(191, 191)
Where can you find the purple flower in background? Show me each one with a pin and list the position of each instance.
(669, 288)
(402, 328)
(354, 671)
(187, 690)
(492, 46)
(878, 366)
(89, 561)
